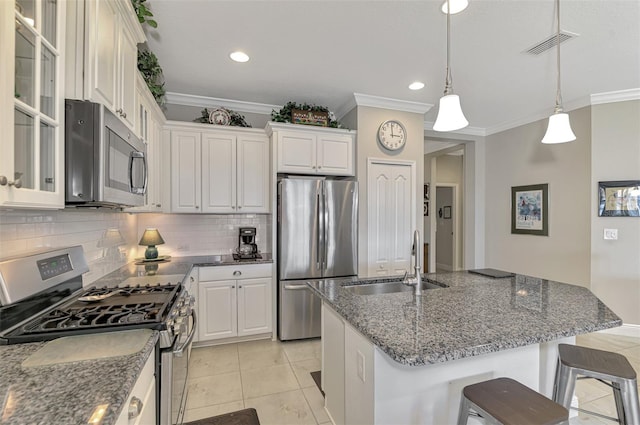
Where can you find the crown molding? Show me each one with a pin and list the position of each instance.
(615, 96)
(470, 131)
(208, 102)
(387, 103)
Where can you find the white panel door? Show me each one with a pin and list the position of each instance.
(253, 174)
(335, 155)
(390, 191)
(218, 173)
(217, 307)
(185, 171)
(254, 306)
(296, 153)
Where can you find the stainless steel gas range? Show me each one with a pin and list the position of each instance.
(41, 298)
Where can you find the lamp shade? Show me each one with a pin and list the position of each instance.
(456, 6)
(151, 237)
(450, 116)
(559, 129)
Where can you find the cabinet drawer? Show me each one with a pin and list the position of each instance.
(235, 272)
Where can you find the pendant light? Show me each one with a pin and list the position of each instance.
(450, 116)
(559, 128)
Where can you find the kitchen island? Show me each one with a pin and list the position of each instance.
(397, 358)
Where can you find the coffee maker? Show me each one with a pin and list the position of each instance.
(247, 247)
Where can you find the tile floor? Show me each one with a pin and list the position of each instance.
(274, 378)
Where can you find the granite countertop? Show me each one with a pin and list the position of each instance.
(474, 315)
(173, 270)
(67, 392)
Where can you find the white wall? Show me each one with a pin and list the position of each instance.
(368, 121)
(615, 264)
(516, 157)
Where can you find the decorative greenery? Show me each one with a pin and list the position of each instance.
(144, 14)
(284, 115)
(237, 120)
(152, 73)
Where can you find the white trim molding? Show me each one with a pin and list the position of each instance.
(615, 96)
(470, 131)
(387, 103)
(208, 102)
(625, 330)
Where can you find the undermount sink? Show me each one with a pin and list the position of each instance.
(386, 288)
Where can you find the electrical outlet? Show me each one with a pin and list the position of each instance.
(611, 234)
(360, 366)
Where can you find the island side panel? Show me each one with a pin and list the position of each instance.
(333, 365)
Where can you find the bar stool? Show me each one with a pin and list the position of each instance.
(508, 402)
(603, 366)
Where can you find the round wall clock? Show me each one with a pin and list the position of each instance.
(392, 135)
(220, 116)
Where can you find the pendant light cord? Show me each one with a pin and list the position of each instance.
(558, 91)
(448, 86)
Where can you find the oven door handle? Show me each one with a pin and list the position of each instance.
(178, 352)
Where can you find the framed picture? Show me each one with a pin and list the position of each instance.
(426, 192)
(446, 212)
(425, 208)
(530, 210)
(619, 198)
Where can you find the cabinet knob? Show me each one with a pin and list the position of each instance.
(319, 167)
(119, 111)
(240, 286)
(4, 182)
(233, 208)
(239, 207)
(237, 273)
(159, 205)
(135, 407)
(124, 115)
(233, 286)
(192, 279)
(313, 166)
(197, 207)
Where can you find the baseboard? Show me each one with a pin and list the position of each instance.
(625, 330)
(445, 267)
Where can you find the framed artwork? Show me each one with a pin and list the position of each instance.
(619, 198)
(426, 192)
(530, 210)
(425, 208)
(446, 212)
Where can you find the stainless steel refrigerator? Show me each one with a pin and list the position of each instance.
(317, 238)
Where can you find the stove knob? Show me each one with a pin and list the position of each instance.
(179, 320)
(185, 310)
(170, 323)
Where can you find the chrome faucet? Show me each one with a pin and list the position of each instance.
(416, 251)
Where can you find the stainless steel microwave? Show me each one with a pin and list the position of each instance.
(105, 162)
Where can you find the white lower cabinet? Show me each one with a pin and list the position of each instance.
(140, 407)
(234, 301)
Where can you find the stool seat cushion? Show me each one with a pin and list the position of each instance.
(510, 402)
(603, 362)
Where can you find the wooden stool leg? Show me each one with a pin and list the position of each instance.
(629, 392)
(463, 413)
(565, 385)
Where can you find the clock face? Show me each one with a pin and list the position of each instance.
(392, 135)
(219, 116)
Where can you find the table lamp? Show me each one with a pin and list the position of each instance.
(151, 237)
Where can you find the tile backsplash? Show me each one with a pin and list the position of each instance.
(204, 234)
(110, 238)
(107, 237)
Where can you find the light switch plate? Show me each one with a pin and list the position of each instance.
(611, 234)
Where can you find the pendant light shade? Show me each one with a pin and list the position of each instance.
(450, 116)
(559, 129)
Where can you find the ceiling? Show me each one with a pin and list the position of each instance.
(322, 51)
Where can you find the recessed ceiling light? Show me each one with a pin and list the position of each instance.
(239, 56)
(455, 5)
(416, 85)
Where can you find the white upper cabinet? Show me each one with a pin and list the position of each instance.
(312, 150)
(32, 38)
(103, 56)
(219, 170)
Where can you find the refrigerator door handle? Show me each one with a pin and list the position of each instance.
(320, 232)
(325, 228)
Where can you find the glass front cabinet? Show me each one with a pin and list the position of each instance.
(31, 104)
